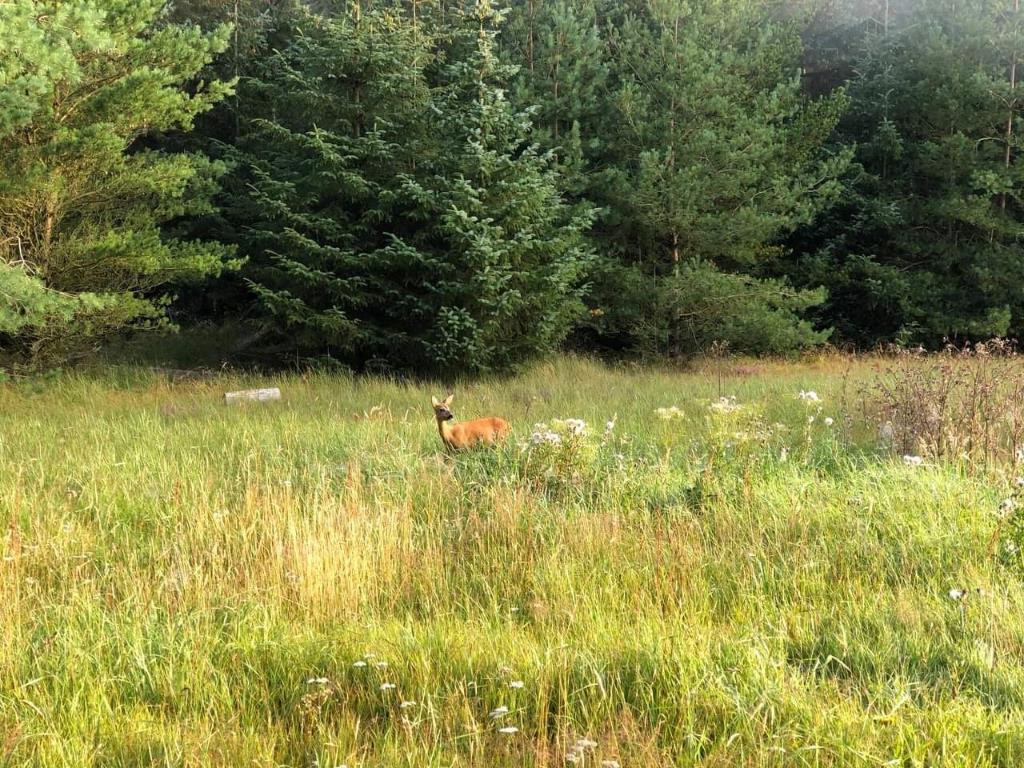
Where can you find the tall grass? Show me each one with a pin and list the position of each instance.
(184, 583)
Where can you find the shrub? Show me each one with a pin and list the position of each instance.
(962, 403)
(689, 312)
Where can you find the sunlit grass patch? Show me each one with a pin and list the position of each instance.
(187, 583)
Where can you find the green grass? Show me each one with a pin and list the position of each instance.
(174, 571)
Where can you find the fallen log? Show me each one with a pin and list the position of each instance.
(260, 395)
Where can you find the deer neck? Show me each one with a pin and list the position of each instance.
(445, 428)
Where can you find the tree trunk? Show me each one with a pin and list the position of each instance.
(1012, 100)
(529, 36)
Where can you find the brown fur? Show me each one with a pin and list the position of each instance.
(467, 434)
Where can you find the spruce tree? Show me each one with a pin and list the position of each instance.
(395, 213)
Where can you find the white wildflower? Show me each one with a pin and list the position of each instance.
(359, 663)
(407, 704)
(1006, 507)
(582, 744)
(810, 396)
(387, 686)
(913, 461)
(669, 413)
(957, 594)
(609, 426)
(381, 665)
(576, 427)
(517, 684)
(725, 405)
(573, 757)
(508, 729)
(1019, 482)
(545, 436)
(498, 712)
(317, 681)
(829, 421)
(610, 764)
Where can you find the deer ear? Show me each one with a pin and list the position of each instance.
(434, 401)
(448, 400)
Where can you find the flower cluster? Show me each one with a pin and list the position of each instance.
(544, 436)
(578, 751)
(576, 427)
(565, 455)
(1010, 516)
(669, 413)
(810, 396)
(725, 405)
(558, 431)
(1006, 508)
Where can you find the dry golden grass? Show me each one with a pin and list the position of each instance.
(188, 584)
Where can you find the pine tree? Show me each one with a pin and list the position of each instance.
(563, 73)
(712, 154)
(81, 249)
(925, 245)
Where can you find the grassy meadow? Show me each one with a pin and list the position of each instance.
(314, 582)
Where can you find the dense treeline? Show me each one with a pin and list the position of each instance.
(429, 184)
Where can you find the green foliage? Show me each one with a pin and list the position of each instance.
(1011, 530)
(564, 75)
(685, 122)
(689, 311)
(393, 208)
(421, 184)
(81, 200)
(925, 242)
(717, 153)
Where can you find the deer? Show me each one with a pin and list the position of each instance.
(468, 434)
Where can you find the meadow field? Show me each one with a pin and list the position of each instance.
(712, 571)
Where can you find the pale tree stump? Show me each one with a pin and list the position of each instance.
(257, 395)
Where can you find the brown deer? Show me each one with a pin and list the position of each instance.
(486, 431)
